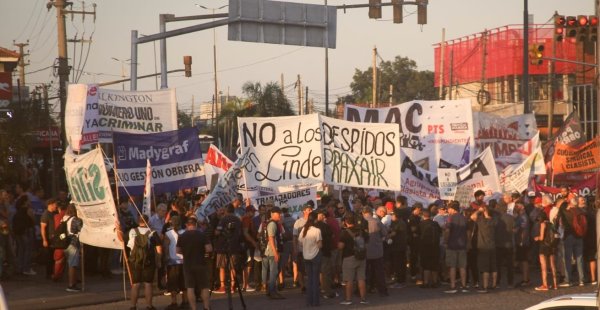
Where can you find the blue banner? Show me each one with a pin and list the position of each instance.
(175, 158)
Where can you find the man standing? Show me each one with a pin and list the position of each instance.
(486, 246)
(505, 244)
(479, 200)
(228, 237)
(145, 255)
(413, 241)
(249, 236)
(573, 244)
(271, 256)
(456, 252)
(194, 246)
(375, 270)
(327, 246)
(47, 230)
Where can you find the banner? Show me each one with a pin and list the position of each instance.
(517, 177)
(570, 133)
(587, 187)
(504, 135)
(147, 202)
(523, 152)
(418, 184)
(137, 112)
(174, 157)
(572, 159)
(75, 114)
(215, 163)
(293, 199)
(429, 130)
(281, 150)
(90, 189)
(360, 155)
(447, 182)
(480, 174)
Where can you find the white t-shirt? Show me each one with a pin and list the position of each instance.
(174, 258)
(298, 225)
(310, 246)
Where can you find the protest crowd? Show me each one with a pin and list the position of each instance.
(362, 242)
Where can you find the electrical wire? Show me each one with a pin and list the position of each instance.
(28, 20)
(39, 70)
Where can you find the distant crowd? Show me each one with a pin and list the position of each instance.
(358, 243)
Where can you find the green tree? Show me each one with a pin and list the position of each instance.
(269, 100)
(407, 82)
(183, 119)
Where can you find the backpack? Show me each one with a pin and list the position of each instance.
(263, 238)
(579, 224)
(550, 235)
(61, 239)
(141, 255)
(360, 246)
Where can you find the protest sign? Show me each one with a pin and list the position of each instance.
(572, 159)
(75, 113)
(480, 174)
(570, 133)
(429, 130)
(504, 135)
(516, 177)
(360, 155)
(418, 184)
(519, 155)
(293, 199)
(114, 111)
(281, 150)
(174, 157)
(447, 182)
(215, 163)
(90, 189)
(463, 195)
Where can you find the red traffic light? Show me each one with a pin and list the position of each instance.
(582, 20)
(593, 21)
(571, 21)
(560, 20)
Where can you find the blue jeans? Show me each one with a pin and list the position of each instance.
(313, 269)
(573, 247)
(270, 266)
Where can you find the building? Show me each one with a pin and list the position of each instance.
(487, 68)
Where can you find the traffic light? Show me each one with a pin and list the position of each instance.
(571, 26)
(374, 8)
(422, 12)
(397, 4)
(582, 28)
(593, 23)
(559, 27)
(536, 53)
(187, 62)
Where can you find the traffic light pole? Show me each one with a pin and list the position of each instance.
(526, 107)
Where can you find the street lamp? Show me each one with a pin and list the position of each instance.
(122, 68)
(215, 63)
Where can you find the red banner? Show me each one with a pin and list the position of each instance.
(585, 188)
(44, 136)
(571, 159)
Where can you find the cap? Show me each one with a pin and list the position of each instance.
(389, 206)
(306, 206)
(275, 210)
(537, 201)
(250, 208)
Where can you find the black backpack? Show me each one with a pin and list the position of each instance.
(263, 239)
(61, 239)
(360, 245)
(142, 254)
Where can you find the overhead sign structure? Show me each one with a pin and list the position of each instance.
(287, 23)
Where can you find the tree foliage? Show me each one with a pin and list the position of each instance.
(183, 120)
(407, 82)
(268, 100)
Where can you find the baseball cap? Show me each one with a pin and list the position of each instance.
(306, 206)
(275, 210)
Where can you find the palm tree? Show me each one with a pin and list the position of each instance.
(269, 100)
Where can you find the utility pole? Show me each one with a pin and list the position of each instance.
(306, 101)
(281, 83)
(50, 138)
(391, 95)
(22, 63)
(299, 87)
(192, 113)
(442, 62)
(451, 74)
(551, 64)
(526, 107)
(483, 68)
(326, 77)
(374, 77)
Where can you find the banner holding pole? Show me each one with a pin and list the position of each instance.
(146, 204)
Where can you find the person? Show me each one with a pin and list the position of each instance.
(547, 248)
(299, 271)
(47, 231)
(74, 225)
(59, 254)
(486, 247)
(249, 235)
(287, 222)
(312, 242)
(505, 231)
(271, 255)
(429, 254)
(522, 240)
(174, 264)
(479, 200)
(456, 247)
(413, 241)
(228, 238)
(326, 251)
(398, 236)
(375, 271)
(23, 226)
(353, 269)
(573, 244)
(589, 241)
(195, 247)
(142, 271)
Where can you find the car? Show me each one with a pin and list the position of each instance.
(568, 302)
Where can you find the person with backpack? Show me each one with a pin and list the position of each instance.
(575, 227)
(271, 244)
(352, 246)
(47, 231)
(145, 251)
(547, 241)
(73, 227)
(174, 262)
(312, 241)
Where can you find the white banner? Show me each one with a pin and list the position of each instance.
(447, 182)
(516, 177)
(75, 113)
(523, 152)
(429, 130)
(91, 193)
(281, 150)
(293, 199)
(418, 184)
(361, 155)
(480, 174)
(138, 112)
(504, 135)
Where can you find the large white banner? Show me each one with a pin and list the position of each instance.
(91, 193)
(480, 174)
(516, 177)
(75, 113)
(361, 155)
(293, 199)
(530, 147)
(137, 112)
(418, 184)
(429, 130)
(282, 150)
(504, 135)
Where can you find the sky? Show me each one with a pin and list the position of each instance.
(240, 62)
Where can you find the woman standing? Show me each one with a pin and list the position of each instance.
(547, 241)
(310, 238)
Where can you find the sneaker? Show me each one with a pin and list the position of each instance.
(364, 302)
(250, 289)
(581, 283)
(464, 290)
(451, 291)
(594, 283)
(73, 289)
(541, 288)
(29, 272)
(346, 302)
(482, 291)
(565, 284)
(167, 293)
(221, 290)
